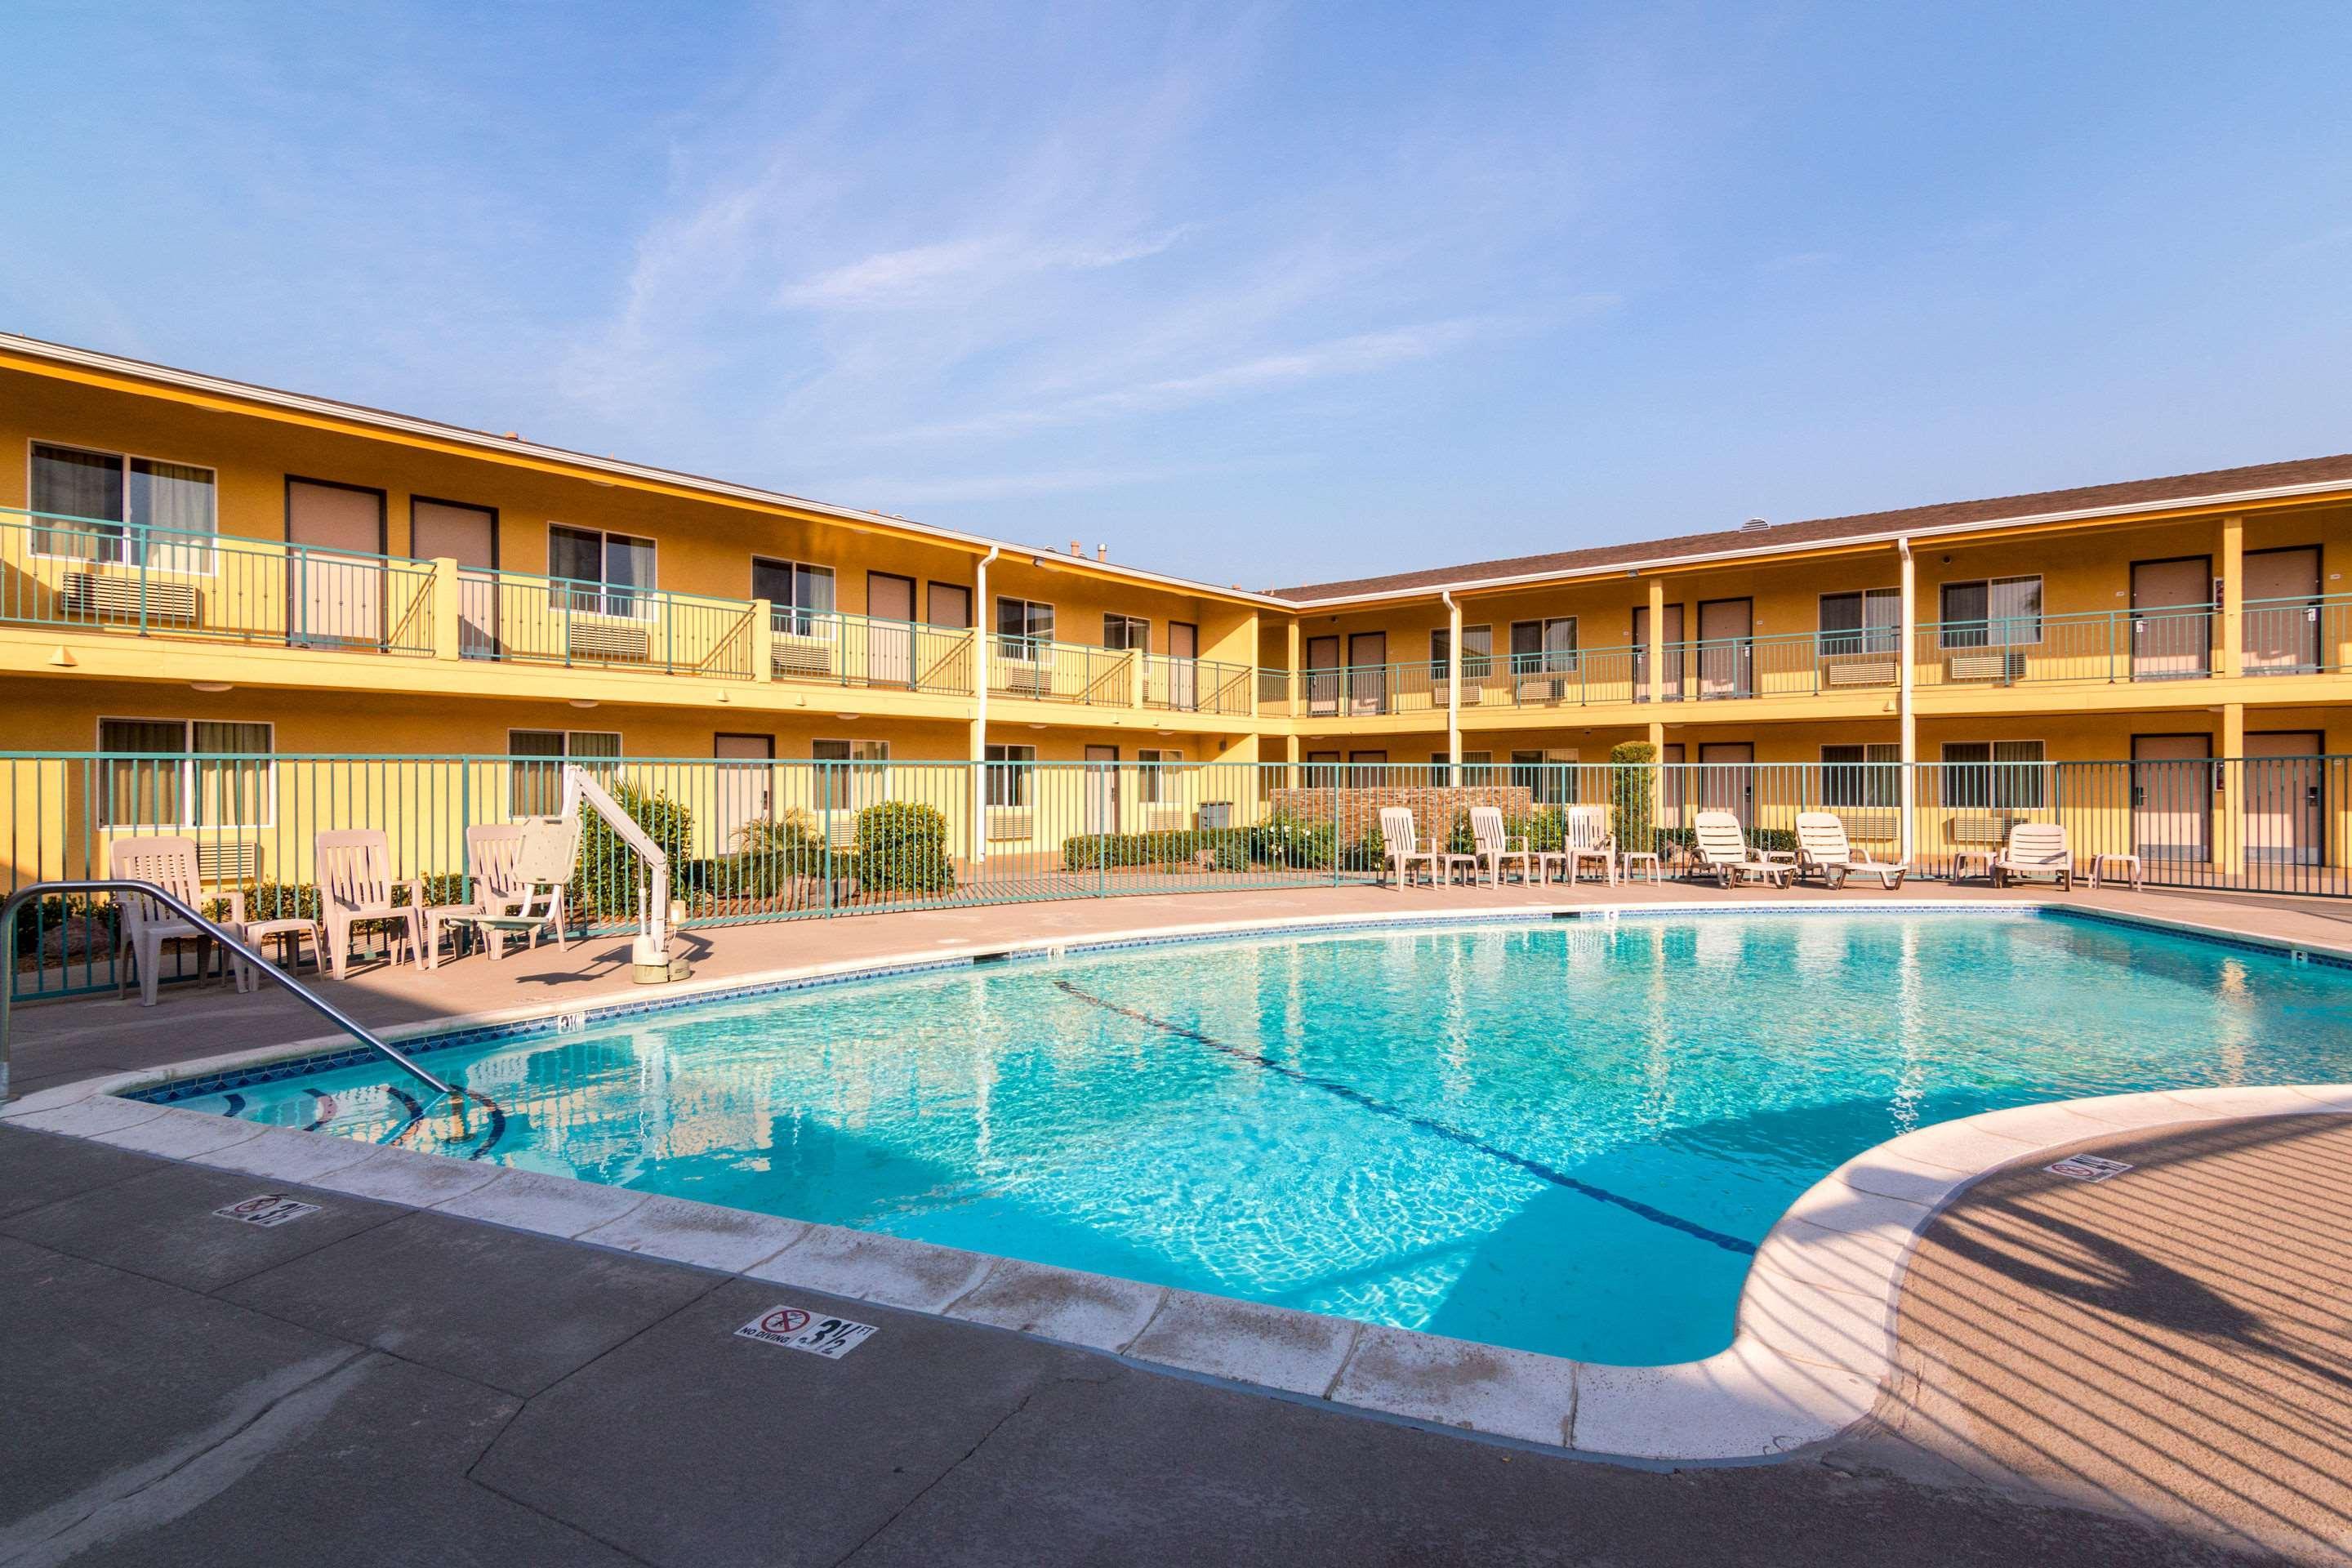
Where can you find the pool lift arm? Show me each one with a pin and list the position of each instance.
(649, 954)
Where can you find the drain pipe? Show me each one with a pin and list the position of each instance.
(1453, 686)
(980, 721)
(1908, 726)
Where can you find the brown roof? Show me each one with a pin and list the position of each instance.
(1826, 529)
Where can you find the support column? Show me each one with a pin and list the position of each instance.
(2229, 798)
(449, 624)
(2230, 656)
(763, 641)
(1907, 720)
(1453, 690)
(979, 806)
(1656, 652)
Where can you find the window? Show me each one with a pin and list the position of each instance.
(1126, 631)
(1024, 627)
(600, 573)
(1008, 771)
(1477, 767)
(1368, 757)
(864, 782)
(1862, 775)
(1547, 777)
(2005, 611)
(1153, 774)
(535, 783)
(1544, 647)
(94, 501)
(1477, 652)
(798, 593)
(1999, 775)
(948, 605)
(1867, 622)
(179, 772)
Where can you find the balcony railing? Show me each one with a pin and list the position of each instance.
(1035, 669)
(517, 618)
(2297, 637)
(856, 650)
(1196, 685)
(90, 574)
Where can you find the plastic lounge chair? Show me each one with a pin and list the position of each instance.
(1495, 847)
(172, 865)
(2035, 849)
(1723, 850)
(1590, 842)
(490, 851)
(1402, 846)
(1822, 846)
(526, 894)
(355, 889)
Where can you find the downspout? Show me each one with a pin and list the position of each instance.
(980, 721)
(1453, 686)
(1906, 724)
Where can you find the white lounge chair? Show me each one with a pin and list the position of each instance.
(355, 889)
(1723, 849)
(1494, 846)
(1821, 846)
(1402, 846)
(1589, 843)
(170, 864)
(518, 870)
(2035, 849)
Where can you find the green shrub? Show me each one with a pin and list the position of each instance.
(1632, 804)
(606, 888)
(1460, 840)
(1288, 842)
(1369, 853)
(1545, 832)
(902, 847)
(1760, 839)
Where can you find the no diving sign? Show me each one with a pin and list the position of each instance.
(798, 1328)
(268, 1209)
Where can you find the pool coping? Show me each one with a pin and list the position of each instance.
(1812, 1354)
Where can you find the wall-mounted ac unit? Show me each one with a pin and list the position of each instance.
(1028, 678)
(1985, 663)
(1850, 670)
(1166, 819)
(607, 637)
(122, 598)
(807, 655)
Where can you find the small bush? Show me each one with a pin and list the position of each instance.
(1632, 809)
(902, 847)
(1290, 843)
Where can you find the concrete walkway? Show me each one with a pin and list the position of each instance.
(63, 1041)
(371, 1383)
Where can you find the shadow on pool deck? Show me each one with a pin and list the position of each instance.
(372, 1383)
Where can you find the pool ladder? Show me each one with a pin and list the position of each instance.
(310, 998)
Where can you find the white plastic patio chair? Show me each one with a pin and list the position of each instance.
(355, 889)
(490, 851)
(170, 864)
(1723, 850)
(1401, 846)
(1590, 842)
(2035, 849)
(530, 897)
(1493, 847)
(1821, 846)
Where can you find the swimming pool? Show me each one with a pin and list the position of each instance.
(1565, 1137)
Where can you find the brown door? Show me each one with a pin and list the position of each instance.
(1726, 648)
(2172, 626)
(2172, 796)
(1183, 670)
(1323, 676)
(335, 572)
(1674, 653)
(440, 530)
(2285, 814)
(746, 786)
(1368, 673)
(1727, 779)
(889, 629)
(1102, 789)
(2281, 625)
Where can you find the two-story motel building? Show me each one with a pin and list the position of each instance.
(191, 563)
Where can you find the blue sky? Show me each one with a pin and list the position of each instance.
(1275, 293)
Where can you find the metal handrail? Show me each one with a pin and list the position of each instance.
(212, 929)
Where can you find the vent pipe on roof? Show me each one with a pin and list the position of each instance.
(1076, 549)
(1102, 552)
(1754, 525)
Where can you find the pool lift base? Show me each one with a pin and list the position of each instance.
(651, 962)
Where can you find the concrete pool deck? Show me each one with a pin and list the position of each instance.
(1825, 1315)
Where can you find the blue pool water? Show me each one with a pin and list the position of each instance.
(1565, 1137)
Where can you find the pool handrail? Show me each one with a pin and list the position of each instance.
(212, 929)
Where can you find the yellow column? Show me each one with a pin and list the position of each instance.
(2230, 656)
(448, 626)
(1454, 689)
(1907, 720)
(1292, 702)
(2230, 800)
(763, 640)
(1657, 648)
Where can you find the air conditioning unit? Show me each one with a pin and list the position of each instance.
(805, 656)
(1861, 671)
(1166, 819)
(1028, 678)
(126, 598)
(1985, 663)
(607, 639)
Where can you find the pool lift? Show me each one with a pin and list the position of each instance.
(651, 961)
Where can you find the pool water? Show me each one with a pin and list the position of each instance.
(1566, 1137)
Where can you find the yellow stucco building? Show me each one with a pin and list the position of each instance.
(189, 564)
